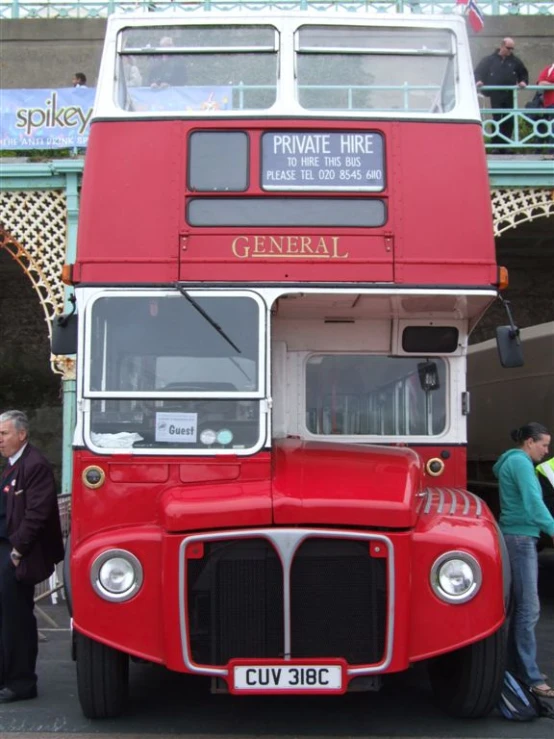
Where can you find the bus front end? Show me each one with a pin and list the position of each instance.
(275, 289)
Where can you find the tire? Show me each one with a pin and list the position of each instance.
(102, 678)
(467, 683)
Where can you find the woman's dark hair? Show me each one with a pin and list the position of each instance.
(531, 430)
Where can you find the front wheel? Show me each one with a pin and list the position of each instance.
(467, 683)
(102, 678)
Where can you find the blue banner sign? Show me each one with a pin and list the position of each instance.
(319, 160)
(59, 119)
(180, 99)
(46, 119)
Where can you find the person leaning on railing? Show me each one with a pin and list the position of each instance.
(546, 77)
(167, 70)
(502, 68)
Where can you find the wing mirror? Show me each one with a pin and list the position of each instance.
(428, 376)
(508, 342)
(64, 332)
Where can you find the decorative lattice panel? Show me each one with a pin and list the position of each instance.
(512, 207)
(33, 230)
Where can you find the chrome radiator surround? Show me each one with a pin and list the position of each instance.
(286, 542)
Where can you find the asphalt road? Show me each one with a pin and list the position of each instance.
(167, 704)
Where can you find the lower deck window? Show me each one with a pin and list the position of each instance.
(363, 395)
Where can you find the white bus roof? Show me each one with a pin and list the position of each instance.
(287, 22)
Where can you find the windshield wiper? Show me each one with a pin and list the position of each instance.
(208, 318)
(237, 365)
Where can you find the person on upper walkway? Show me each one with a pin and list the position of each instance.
(546, 77)
(502, 67)
(79, 79)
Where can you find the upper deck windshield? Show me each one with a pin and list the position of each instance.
(408, 69)
(340, 68)
(198, 68)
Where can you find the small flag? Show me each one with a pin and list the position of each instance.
(474, 14)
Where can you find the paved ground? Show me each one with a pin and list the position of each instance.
(166, 704)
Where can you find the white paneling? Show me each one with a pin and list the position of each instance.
(316, 335)
(279, 388)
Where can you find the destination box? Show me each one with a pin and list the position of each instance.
(317, 160)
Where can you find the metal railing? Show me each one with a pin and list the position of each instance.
(51, 587)
(10, 9)
(517, 129)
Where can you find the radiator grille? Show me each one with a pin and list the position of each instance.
(235, 601)
(338, 594)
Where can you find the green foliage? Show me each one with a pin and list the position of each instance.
(39, 155)
(526, 125)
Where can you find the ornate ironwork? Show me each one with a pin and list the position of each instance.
(511, 207)
(103, 8)
(532, 129)
(33, 232)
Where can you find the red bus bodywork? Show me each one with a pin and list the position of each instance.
(438, 230)
(392, 512)
(149, 506)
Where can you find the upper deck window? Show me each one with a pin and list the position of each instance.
(385, 69)
(197, 68)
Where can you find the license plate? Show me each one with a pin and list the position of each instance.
(280, 678)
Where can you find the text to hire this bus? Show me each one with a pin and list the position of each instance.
(285, 240)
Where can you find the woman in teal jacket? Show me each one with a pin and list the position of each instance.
(523, 515)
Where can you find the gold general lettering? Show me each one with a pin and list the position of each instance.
(287, 247)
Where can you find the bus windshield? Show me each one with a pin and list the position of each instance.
(163, 371)
(139, 345)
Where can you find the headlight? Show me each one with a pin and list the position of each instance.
(456, 577)
(116, 575)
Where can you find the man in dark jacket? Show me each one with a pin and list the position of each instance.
(502, 67)
(30, 546)
(167, 70)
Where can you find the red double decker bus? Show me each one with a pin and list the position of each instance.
(285, 240)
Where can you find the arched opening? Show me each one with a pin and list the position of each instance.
(27, 381)
(503, 399)
(525, 245)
